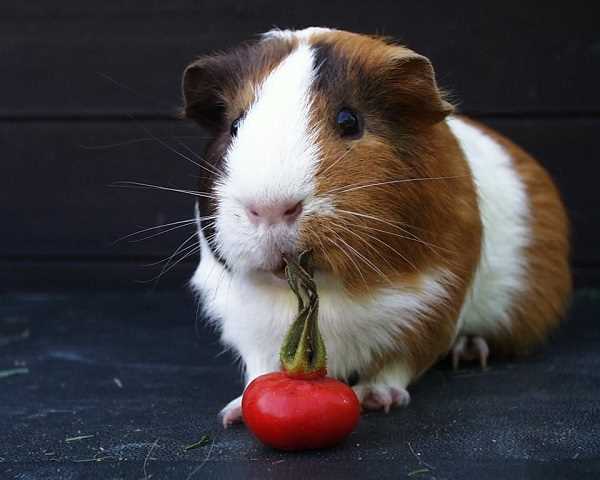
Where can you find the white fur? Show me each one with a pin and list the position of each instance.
(301, 35)
(273, 158)
(254, 310)
(504, 209)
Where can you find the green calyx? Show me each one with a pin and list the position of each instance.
(303, 351)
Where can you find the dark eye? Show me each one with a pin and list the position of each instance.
(348, 123)
(234, 126)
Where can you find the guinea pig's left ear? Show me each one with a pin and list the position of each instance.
(413, 88)
(203, 85)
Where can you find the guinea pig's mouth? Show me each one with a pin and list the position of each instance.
(274, 267)
(279, 272)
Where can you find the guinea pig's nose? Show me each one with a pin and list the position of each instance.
(274, 212)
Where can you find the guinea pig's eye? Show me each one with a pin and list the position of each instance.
(348, 123)
(234, 126)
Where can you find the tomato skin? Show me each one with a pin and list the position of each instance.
(292, 413)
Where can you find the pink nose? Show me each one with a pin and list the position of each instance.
(274, 212)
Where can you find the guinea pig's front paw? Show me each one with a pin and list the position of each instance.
(232, 412)
(381, 396)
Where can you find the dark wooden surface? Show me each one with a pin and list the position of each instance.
(536, 418)
(497, 56)
(84, 82)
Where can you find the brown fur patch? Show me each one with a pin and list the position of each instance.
(404, 198)
(219, 88)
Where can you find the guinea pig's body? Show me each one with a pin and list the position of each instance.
(429, 232)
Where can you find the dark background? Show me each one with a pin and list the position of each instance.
(84, 87)
(79, 77)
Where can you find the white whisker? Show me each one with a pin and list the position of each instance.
(213, 168)
(191, 220)
(322, 245)
(411, 236)
(193, 251)
(349, 258)
(127, 183)
(133, 141)
(371, 247)
(163, 143)
(360, 186)
(348, 255)
(370, 264)
(337, 161)
(148, 237)
(373, 237)
(179, 249)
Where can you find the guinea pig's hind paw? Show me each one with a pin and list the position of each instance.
(470, 348)
(384, 398)
(232, 413)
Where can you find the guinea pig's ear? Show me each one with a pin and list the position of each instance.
(203, 85)
(413, 88)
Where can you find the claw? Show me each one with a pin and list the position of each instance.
(484, 351)
(470, 348)
(384, 398)
(400, 397)
(232, 412)
(457, 351)
(232, 416)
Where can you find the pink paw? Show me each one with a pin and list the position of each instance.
(384, 397)
(232, 413)
(469, 348)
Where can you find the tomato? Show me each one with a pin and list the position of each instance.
(295, 413)
(300, 408)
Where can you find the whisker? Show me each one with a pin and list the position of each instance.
(434, 248)
(323, 249)
(148, 237)
(396, 225)
(191, 220)
(190, 250)
(127, 183)
(162, 142)
(127, 88)
(211, 168)
(362, 257)
(371, 247)
(193, 251)
(133, 141)
(373, 237)
(337, 161)
(349, 258)
(412, 237)
(179, 249)
(220, 282)
(391, 182)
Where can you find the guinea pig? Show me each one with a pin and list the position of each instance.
(431, 233)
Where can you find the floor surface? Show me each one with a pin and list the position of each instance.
(114, 386)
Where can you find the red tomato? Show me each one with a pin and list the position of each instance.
(294, 413)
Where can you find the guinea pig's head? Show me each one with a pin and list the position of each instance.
(323, 140)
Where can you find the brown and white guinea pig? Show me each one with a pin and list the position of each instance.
(430, 232)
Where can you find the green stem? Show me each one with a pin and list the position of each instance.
(303, 351)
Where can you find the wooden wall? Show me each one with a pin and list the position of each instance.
(85, 84)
